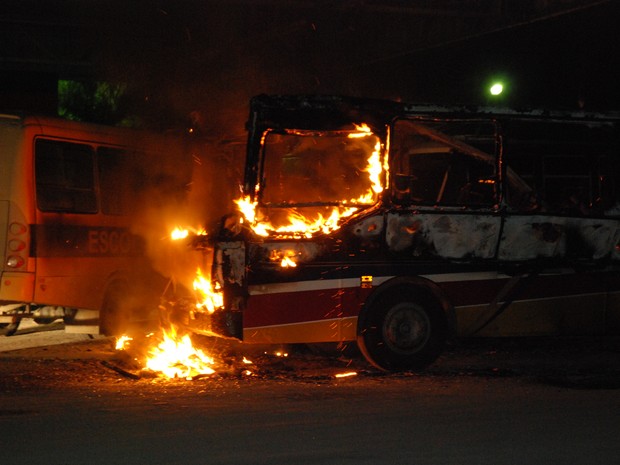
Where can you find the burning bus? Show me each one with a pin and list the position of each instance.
(399, 226)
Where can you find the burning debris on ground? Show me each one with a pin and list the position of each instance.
(174, 355)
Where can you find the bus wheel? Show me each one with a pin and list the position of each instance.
(114, 316)
(402, 330)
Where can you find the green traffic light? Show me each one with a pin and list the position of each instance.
(496, 88)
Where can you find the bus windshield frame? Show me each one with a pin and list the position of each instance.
(306, 168)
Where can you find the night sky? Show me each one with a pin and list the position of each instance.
(207, 58)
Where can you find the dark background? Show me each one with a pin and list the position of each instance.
(197, 62)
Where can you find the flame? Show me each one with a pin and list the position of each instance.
(176, 357)
(348, 374)
(210, 299)
(374, 170)
(122, 342)
(362, 131)
(178, 234)
(247, 208)
(287, 262)
(287, 258)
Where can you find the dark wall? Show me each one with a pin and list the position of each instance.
(28, 91)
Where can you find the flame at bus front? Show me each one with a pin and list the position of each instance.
(299, 225)
(210, 299)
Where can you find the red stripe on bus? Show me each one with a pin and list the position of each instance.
(315, 305)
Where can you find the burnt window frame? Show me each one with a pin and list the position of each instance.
(538, 143)
(401, 195)
(262, 184)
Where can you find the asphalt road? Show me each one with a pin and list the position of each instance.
(485, 402)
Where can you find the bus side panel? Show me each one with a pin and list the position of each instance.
(530, 237)
(16, 287)
(4, 225)
(294, 316)
(567, 303)
(74, 262)
(16, 211)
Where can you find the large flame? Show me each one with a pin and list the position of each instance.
(176, 357)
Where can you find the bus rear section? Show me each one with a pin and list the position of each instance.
(72, 200)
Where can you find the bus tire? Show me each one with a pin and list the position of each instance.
(403, 329)
(114, 316)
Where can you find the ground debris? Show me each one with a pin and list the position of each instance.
(119, 370)
(591, 379)
(578, 363)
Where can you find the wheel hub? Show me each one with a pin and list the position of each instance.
(406, 328)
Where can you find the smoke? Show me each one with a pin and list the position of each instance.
(178, 182)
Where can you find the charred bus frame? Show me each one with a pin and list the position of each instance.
(480, 210)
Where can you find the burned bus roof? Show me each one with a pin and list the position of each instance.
(331, 111)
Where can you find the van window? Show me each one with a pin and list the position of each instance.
(64, 173)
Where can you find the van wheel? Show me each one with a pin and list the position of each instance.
(402, 330)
